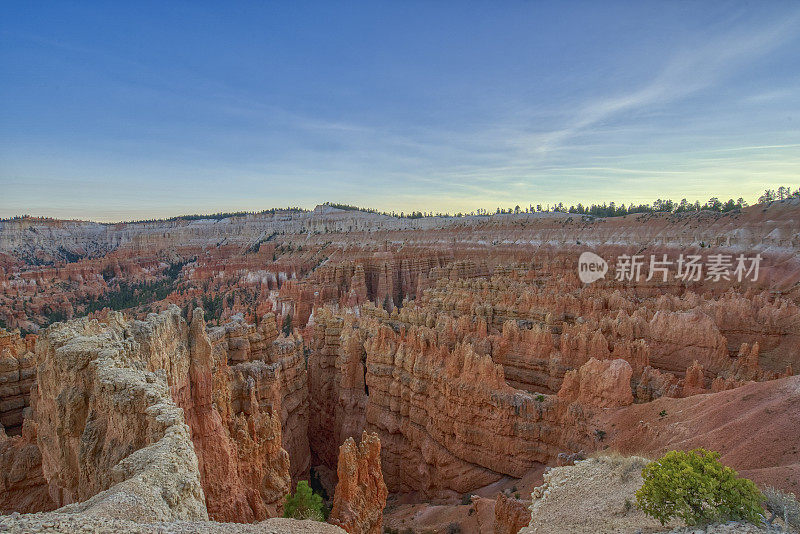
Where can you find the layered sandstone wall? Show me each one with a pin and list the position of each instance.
(337, 374)
(461, 383)
(16, 378)
(603, 384)
(244, 469)
(23, 487)
(510, 515)
(757, 226)
(449, 421)
(258, 371)
(538, 330)
(446, 417)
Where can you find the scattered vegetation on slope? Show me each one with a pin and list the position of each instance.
(126, 295)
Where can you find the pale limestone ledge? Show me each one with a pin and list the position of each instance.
(72, 523)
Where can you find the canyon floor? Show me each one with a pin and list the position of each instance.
(430, 374)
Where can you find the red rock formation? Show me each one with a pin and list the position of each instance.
(16, 378)
(435, 409)
(654, 383)
(360, 494)
(23, 487)
(244, 470)
(599, 383)
(336, 369)
(694, 382)
(234, 412)
(358, 287)
(679, 339)
(252, 362)
(510, 515)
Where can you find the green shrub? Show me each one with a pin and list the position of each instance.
(695, 487)
(304, 504)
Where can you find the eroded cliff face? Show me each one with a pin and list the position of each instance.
(258, 371)
(16, 378)
(510, 515)
(336, 374)
(599, 383)
(447, 420)
(23, 487)
(113, 441)
(120, 408)
(244, 469)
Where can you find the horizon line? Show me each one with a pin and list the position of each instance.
(559, 207)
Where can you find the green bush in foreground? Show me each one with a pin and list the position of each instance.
(304, 504)
(695, 487)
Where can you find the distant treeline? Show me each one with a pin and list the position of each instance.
(669, 206)
(192, 217)
(611, 209)
(412, 215)
(35, 218)
(218, 216)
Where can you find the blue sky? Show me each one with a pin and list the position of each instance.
(127, 110)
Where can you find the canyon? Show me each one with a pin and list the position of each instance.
(419, 372)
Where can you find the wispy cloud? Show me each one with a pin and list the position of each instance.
(770, 96)
(690, 70)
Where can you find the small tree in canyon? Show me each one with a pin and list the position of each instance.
(304, 504)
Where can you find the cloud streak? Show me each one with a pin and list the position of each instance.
(689, 71)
